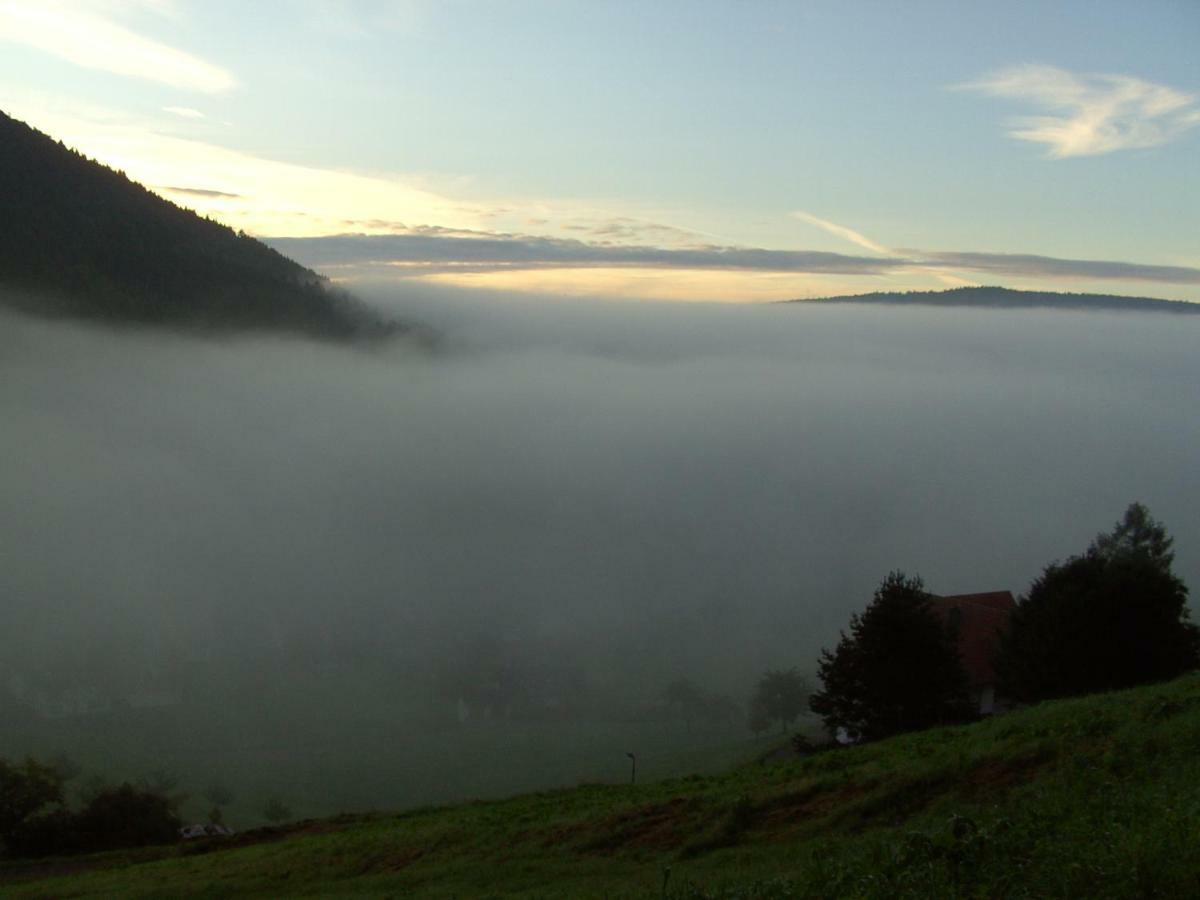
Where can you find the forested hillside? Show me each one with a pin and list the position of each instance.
(1007, 298)
(79, 239)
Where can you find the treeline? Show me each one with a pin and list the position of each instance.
(48, 809)
(988, 297)
(80, 239)
(36, 818)
(1112, 617)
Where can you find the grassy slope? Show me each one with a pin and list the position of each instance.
(1093, 797)
(366, 756)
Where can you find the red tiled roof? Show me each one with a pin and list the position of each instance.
(981, 619)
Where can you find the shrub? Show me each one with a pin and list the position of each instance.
(126, 816)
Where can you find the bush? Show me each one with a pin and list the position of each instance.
(126, 816)
(26, 790)
(52, 833)
(34, 821)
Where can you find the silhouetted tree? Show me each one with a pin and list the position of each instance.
(91, 787)
(66, 768)
(898, 669)
(160, 781)
(219, 796)
(1136, 534)
(781, 696)
(26, 789)
(1114, 617)
(757, 719)
(163, 783)
(126, 816)
(34, 821)
(685, 700)
(276, 810)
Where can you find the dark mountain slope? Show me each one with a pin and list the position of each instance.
(79, 239)
(1007, 298)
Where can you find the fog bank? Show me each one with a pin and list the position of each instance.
(628, 492)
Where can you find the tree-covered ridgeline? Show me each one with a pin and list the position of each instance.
(82, 240)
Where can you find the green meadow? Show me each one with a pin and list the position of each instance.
(1092, 797)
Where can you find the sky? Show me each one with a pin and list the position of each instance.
(675, 150)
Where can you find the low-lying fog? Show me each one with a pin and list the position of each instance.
(295, 566)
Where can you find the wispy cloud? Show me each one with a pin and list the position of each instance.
(1089, 114)
(184, 112)
(87, 38)
(1027, 265)
(843, 232)
(198, 192)
(432, 250)
(857, 237)
(272, 197)
(627, 230)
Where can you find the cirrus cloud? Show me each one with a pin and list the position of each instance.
(85, 38)
(1091, 114)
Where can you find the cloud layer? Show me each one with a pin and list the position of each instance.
(1087, 115)
(431, 250)
(1029, 265)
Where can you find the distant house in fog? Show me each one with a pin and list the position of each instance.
(979, 619)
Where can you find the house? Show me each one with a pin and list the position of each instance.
(979, 619)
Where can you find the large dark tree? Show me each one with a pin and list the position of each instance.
(897, 670)
(127, 816)
(26, 789)
(1112, 618)
(1137, 534)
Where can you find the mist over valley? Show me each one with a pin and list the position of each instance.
(369, 577)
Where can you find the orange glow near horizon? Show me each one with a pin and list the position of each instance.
(694, 285)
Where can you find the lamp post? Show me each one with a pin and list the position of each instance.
(633, 768)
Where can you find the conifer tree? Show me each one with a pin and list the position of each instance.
(1111, 618)
(897, 670)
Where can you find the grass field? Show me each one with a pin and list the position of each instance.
(1096, 797)
(363, 756)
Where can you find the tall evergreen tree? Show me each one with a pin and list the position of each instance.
(1112, 618)
(1137, 534)
(897, 670)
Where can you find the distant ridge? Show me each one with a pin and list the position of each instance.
(1008, 298)
(79, 239)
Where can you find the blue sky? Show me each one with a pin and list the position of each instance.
(941, 137)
